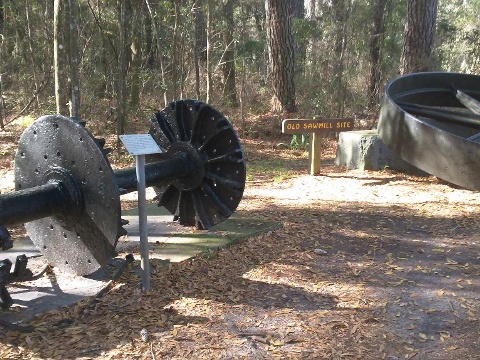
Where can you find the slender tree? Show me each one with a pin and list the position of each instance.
(135, 54)
(419, 36)
(60, 56)
(340, 16)
(2, 108)
(176, 46)
(74, 60)
(209, 50)
(198, 48)
(121, 69)
(229, 88)
(375, 42)
(282, 55)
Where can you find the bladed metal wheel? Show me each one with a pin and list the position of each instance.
(215, 190)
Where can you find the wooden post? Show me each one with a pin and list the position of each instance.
(314, 154)
(315, 127)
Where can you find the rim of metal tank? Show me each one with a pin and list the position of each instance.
(438, 144)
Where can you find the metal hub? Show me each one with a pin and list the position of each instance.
(72, 194)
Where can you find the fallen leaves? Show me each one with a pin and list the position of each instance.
(347, 276)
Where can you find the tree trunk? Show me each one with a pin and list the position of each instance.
(376, 40)
(121, 71)
(229, 88)
(310, 48)
(159, 47)
(209, 50)
(136, 60)
(298, 12)
(149, 52)
(74, 60)
(282, 55)
(59, 55)
(200, 31)
(419, 36)
(2, 107)
(32, 53)
(341, 13)
(176, 68)
(196, 52)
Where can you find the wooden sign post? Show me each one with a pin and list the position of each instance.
(315, 127)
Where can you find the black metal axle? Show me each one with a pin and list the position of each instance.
(62, 197)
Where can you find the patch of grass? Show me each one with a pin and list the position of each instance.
(209, 254)
(277, 169)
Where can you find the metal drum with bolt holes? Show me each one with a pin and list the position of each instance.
(83, 206)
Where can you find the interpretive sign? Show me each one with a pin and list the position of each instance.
(301, 126)
(140, 144)
(315, 127)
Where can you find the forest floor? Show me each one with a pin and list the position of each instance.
(367, 265)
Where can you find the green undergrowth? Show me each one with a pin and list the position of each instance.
(276, 170)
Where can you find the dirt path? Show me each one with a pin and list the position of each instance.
(375, 265)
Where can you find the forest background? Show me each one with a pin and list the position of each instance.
(119, 60)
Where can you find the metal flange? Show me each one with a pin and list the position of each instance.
(81, 237)
(202, 134)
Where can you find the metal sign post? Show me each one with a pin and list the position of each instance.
(140, 145)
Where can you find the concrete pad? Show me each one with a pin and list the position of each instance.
(167, 240)
(170, 241)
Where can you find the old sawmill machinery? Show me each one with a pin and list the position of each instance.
(68, 196)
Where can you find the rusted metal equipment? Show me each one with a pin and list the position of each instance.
(434, 126)
(69, 196)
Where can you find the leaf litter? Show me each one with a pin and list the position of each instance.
(367, 265)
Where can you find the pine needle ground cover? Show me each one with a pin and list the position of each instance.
(366, 265)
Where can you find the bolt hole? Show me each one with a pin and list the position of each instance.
(81, 139)
(44, 247)
(34, 132)
(58, 153)
(37, 171)
(45, 156)
(65, 235)
(89, 261)
(84, 182)
(51, 227)
(73, 162)
(66, 262)
(22, 154)
(55, 126)
(100, 169)
(78, 235)
(19, 186)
